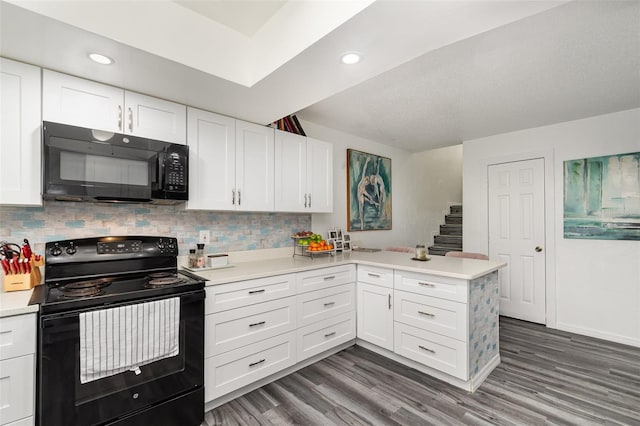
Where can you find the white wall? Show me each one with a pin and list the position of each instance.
(593, 286)
(423, 187)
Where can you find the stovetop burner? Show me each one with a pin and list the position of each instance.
(155, 275)
(161, 282)
(81, 289)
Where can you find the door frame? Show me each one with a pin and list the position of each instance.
(549, 218)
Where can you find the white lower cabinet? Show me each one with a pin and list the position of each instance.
(375, 315)
(322, 304)
(323, 335)
(432, 314)
(237, 368)
(17, 369)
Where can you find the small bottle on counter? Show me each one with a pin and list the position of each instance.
(200, 260)
(421, 252)
(192, 258)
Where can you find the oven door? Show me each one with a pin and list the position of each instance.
(87, 164)
(126, 397)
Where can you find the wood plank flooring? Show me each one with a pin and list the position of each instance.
(546, 377)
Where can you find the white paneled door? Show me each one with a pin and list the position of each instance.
(516, 236)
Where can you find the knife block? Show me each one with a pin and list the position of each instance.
(16, 282)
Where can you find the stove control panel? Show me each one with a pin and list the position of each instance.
(118, 247)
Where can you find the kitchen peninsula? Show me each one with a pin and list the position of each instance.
(268, 318)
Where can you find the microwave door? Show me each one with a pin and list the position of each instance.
(101, 170)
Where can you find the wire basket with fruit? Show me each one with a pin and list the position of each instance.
(307, 243)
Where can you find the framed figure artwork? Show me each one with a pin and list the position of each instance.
(368, 191)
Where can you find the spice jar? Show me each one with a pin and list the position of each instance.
(192, 258)
(421, 252)
(200, 260)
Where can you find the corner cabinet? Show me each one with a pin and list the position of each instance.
(20, 152)
(303, 174)
(230, 163)
(78, 102)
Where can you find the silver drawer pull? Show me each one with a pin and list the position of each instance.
(257, 362)
(256, 291)
(330, 334)
(373, 275)
(255, 324)
(426, 284)
(326, 305)
(330, 277)
(427, 314)
(427, 349)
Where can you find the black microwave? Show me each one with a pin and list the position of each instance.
(82, 164)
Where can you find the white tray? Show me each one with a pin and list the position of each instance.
(208, 268)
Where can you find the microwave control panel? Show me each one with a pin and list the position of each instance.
(175, 172)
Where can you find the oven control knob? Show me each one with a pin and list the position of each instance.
(55, 250)
(71, 250)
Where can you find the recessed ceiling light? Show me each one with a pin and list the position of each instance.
(101, 59)
(350, 58)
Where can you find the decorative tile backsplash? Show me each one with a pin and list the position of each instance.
(230, 231)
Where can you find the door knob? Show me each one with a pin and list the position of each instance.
(538, 249)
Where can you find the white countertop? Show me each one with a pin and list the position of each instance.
(16, 303)
(466, 269)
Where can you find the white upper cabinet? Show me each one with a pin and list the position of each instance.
(20, 150)
(254, 167)
(212, 160)
(303, 174)
(230, 163)
(84, 103)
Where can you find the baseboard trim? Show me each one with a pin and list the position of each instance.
(598, 334)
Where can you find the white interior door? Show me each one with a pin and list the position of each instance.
(516, 236)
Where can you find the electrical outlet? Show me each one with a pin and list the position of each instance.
(205, 236)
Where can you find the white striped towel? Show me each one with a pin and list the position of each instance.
(125, 338)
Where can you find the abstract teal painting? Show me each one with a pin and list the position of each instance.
(602, 197)
(368, 191)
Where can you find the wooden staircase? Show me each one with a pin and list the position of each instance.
(450, 238)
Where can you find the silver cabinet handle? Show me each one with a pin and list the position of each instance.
(427, 349)
(373, 275)
(538, 249)
(330, 277)
(326, 305)
(305, 201)
(130, 120)
(256, 291)
(239, 199)
(333, 333)
(389, 300)
(255, 324)
(426, 284)
(257, 362)
(233, 197)
(120, 117)
(426, 314)
(309, 200)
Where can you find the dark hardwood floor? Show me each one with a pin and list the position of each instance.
(546, 377)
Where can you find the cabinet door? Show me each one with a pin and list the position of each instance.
(254, 167)
(155, 118)
(290, 172)
(83, 103)
(20, 152)
(375, 315)
(212, 160)
(17, 378)
(319, 176)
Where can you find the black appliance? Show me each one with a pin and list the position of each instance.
(93, 165)
(96, 274)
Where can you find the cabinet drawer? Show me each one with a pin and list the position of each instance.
(374, 275)
(17, 382)
(232, 370)
(322, 304)
(323, 335)
(238, 327)
(325, 277)
(431, 285)
(27, 421)
(234, 295)
(429, 313)
(433, 350)
(17, 336)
